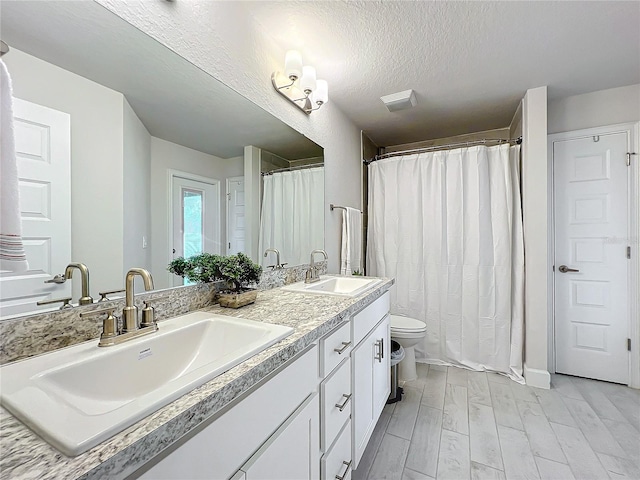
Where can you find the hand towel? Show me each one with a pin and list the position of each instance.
(351, 241)
(12, 255)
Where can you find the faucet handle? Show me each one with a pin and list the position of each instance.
(65, 305)
(103, 295)
(148, 315)
(109, 325)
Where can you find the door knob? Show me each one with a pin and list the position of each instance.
(565, 269)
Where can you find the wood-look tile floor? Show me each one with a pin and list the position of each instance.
(457, 424)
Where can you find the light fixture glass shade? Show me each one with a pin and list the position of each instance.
(293, 64)
(321, 93)
(308, 80)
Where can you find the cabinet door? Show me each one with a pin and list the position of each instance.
(381, 368)
(371, 385)
(293, 451)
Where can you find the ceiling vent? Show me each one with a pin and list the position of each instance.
(400, 100)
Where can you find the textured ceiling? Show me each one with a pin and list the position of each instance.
(469, 62)
(175, 100)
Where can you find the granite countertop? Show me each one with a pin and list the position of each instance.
(24, 455)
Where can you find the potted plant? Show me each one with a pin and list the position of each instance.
(237, 270)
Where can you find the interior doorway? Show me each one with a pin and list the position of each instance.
(195, 212)
(235, 215)
(43, 156)
(594, 274)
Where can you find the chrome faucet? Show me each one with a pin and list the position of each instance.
(312, 273)
(111, 334)
(84, 272)
(278, 265)
(130, 311)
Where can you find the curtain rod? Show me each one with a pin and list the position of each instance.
(289, 169)
(470, 143)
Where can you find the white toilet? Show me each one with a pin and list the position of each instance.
(408, 332)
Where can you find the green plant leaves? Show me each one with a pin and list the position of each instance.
(237, 270)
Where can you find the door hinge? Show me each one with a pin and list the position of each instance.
(228, 196)
(629, 158)
(629, 252)
(628, 344)
(229, 244)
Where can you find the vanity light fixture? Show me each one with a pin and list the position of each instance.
(299, 85)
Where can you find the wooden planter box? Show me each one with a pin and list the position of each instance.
(237, 300)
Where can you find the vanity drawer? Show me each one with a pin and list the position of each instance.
(334, 348)
(369, 317)
(335, 403)
(336, 464)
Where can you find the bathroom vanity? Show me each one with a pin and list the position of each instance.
(303, 408)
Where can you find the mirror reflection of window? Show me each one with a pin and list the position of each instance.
(192, 237)
(192, 222)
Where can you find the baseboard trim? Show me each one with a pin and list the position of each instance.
(537, 378)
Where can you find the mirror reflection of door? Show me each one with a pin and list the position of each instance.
(235, 215)
(195, 209)
(42, 139)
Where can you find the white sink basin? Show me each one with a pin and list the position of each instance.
(78, 397)
(329, 285)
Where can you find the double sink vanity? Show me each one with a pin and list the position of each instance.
(289, 387)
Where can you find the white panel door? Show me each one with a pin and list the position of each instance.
(235, 215)
(195, 209)
(43, 151)
(591, 228)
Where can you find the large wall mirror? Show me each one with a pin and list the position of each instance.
(129, 155)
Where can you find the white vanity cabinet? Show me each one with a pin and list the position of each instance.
(370, 361)
(311, 420)
(251, 426)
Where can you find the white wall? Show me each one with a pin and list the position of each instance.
(604, 107)
(137, 192)
(96, 162)
(222, 39)
(534, 207)
(170, 156)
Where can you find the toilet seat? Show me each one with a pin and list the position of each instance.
(406, 325)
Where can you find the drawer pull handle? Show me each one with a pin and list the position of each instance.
(346, 470)
(380, 346)
(345, 345)
(344, 403)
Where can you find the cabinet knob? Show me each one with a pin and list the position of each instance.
(346, 470)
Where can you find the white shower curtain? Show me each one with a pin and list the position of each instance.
(292, 218)
(448, 226)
